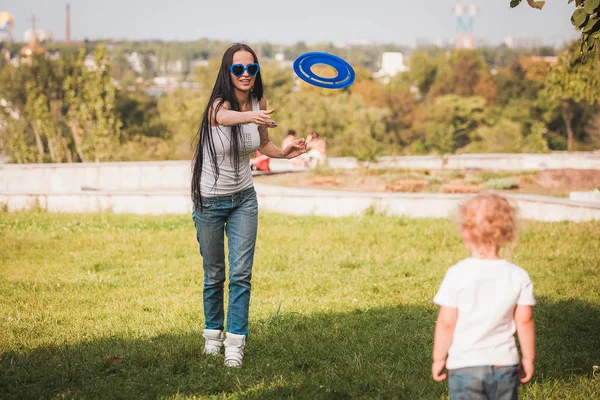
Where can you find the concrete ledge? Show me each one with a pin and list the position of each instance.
(66, 178)
(122, 202)
(300, 202)
(492, 161)
(591, 197)
(70, 178)
(506, 162)
(417, 205)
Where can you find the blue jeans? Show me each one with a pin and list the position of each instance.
(237, 217)
(484, 382)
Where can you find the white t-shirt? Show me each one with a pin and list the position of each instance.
(485, 292)
(228, 183)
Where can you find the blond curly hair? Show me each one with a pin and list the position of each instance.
(487, 220)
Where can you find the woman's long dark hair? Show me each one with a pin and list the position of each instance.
(223, 91)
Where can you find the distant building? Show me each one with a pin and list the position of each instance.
(480, 42)
(354, 43)
(522, 42)
(551, 60)
(136, 62)
(198, 62)
(465, 17)
(90, 62)
(40, 34)
(392, 63)
(7, 24)
(32, 48)
(165, 81)
(172, 67)
(9, 109)
(53, 56)
(438, 42)
(152, 61)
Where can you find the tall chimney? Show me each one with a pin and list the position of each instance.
(68, 24)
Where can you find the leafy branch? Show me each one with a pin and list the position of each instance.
(585, 18)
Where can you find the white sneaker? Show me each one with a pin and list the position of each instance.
(234, 349)
(214, 339)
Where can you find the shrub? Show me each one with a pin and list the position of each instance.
(502, 184)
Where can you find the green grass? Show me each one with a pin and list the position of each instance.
(501, 183)
(109, 306)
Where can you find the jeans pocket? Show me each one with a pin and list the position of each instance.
(209, 204)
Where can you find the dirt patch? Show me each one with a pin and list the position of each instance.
(547, 183)
(324, 180)
(461, 189)
(407, 186)
(579, 179)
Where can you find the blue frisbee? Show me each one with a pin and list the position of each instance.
(345, 73)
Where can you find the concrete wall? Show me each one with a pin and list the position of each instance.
(163, 187)
(70, 178)
(73, 178)
(417, 205)
(300, 202)
(123, 202)
(517, 162)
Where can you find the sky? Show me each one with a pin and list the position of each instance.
(401, 22)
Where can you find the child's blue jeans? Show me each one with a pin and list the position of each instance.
(484, 383)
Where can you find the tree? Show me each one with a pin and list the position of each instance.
(34, 95)
(506, 136)
(394, 97)
(422, 71)
(593, 130)
(585, 18)
(350, 127)
(571, 83)
(446, 124)
(278, 83)
(517, 90)
(522, 79)
(464, 74)
(139, 115)
(91, 104)
(181, 112)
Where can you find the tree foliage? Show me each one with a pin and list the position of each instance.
(61, 110)
(586, 18)
(464, 73)
(86, 105)
(571, 83)
(445, 125)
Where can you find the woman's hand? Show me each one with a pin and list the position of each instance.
(262, 118)
(295, 148)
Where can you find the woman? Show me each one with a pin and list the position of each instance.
(234, 125)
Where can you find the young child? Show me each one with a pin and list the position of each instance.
(483, 300)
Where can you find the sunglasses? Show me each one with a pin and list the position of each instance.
(238, 69)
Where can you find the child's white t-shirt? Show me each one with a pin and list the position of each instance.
(485, 292)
